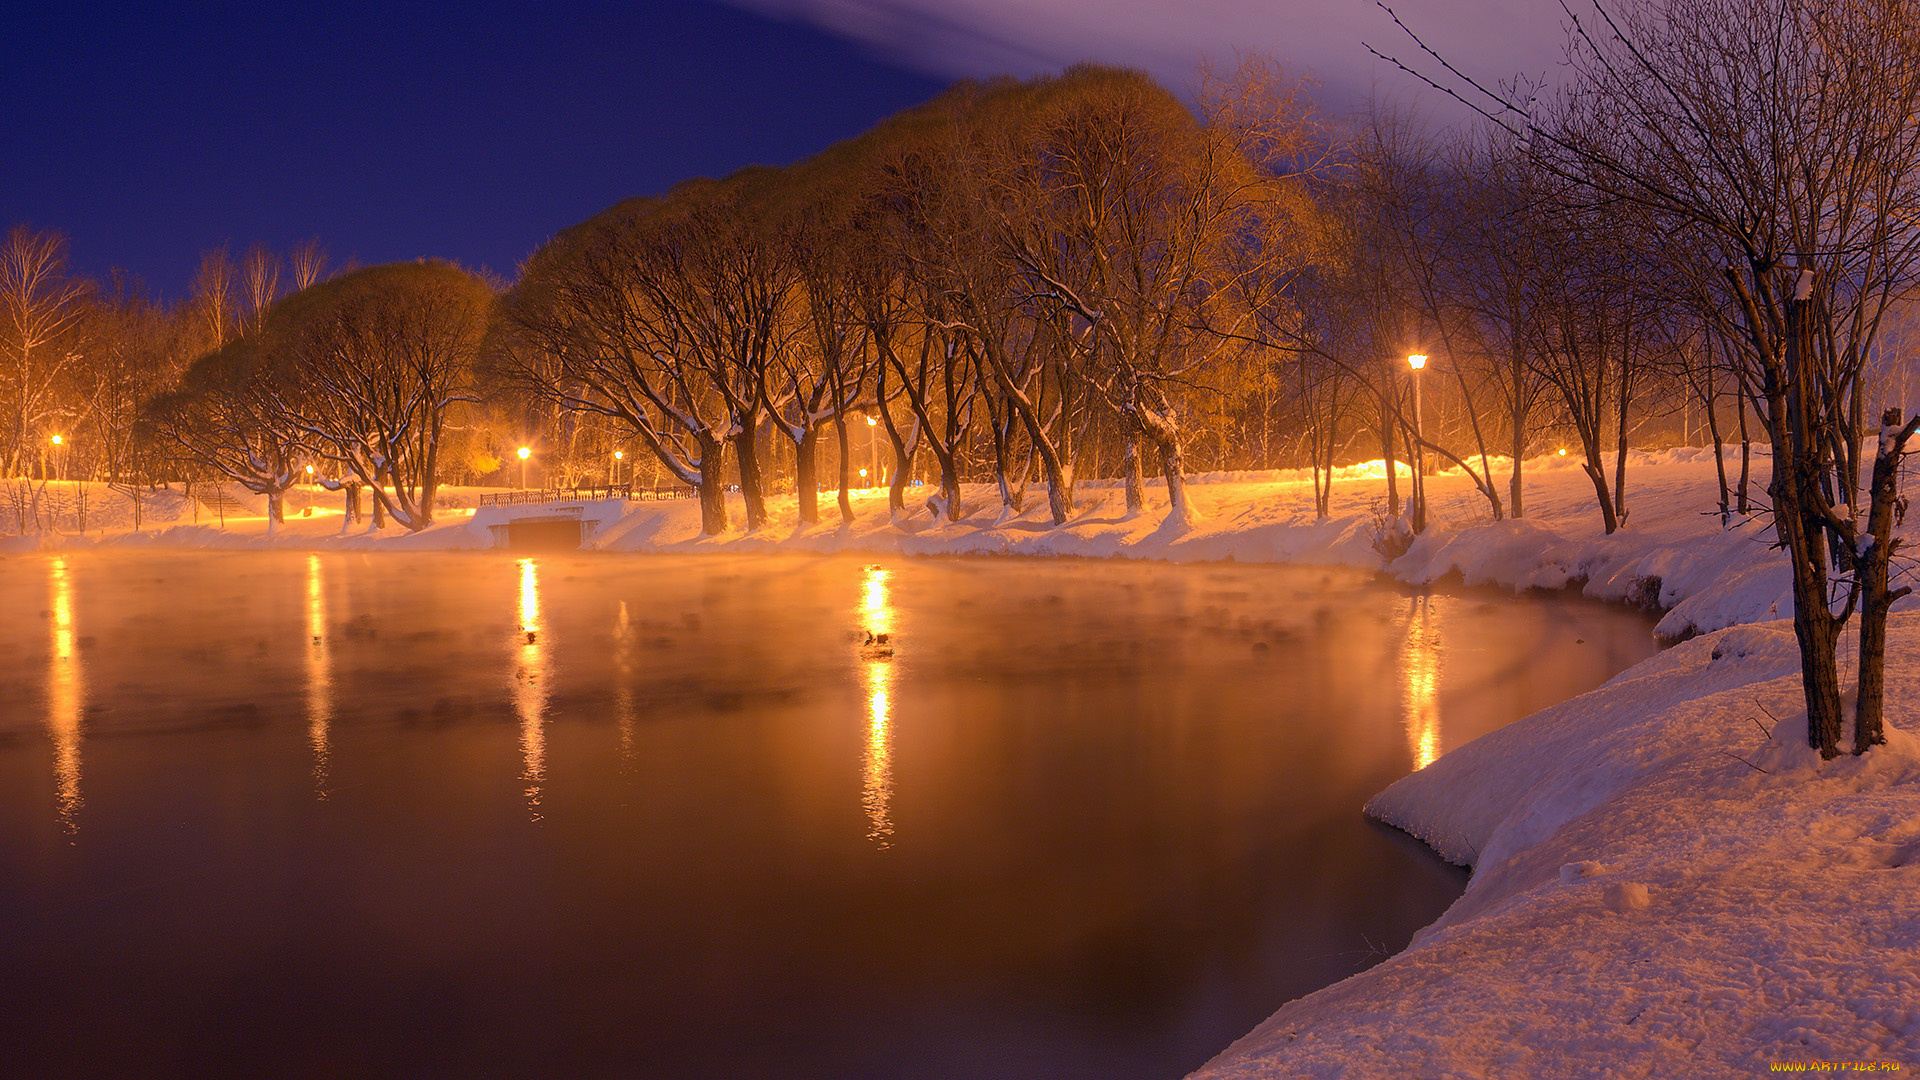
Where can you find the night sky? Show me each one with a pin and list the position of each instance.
(148, 134)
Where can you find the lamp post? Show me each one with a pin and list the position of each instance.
(614, 476)
(1417, 363)
(525, 452)
(57, 443)
(309, 489)
(873, 449)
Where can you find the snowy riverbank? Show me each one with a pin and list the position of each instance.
(1672, 552)
(1667, 882)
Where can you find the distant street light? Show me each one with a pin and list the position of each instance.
(873, 446)
(57, 443)
(525, 453)
(614, 474)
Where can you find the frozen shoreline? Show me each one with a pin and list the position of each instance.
(1667, 882)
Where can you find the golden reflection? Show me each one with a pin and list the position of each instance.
(876, 793)
(319, 677)
(876, 678)
(623, 685)
(66, 693)
(529, 686)
(1422, 663)
(877, 601)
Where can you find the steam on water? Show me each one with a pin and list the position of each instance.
(558, 815)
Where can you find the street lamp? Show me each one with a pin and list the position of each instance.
(873, 446)
(525, 453)
(57, 442)
(618, 457)
(1418, 362)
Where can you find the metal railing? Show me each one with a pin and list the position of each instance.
(584, 492)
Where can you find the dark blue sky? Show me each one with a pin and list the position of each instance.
(148, 134)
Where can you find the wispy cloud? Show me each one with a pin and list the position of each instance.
(1323, 38)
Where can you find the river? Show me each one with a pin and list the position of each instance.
(459, 815)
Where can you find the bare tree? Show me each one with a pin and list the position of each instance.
(1119, 209)
(662, 315)
(41, 307)
(1774, 139)
(307, 263)
(259, 283)
(380, 358)
(225, 417)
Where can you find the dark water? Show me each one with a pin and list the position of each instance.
(280, 814)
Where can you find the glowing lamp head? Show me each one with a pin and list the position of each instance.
(525, 453)
(863, 474)
(873, 421)
(619, 455)
(57, 440)
(1417, 361)
(309, 470)
(1562, 451)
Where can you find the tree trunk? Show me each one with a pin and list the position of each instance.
(751, 491)
(846, 469)
(1136, 487)
(1795, 490)
(713, 496)
(1597, 473)
(1514, 488)
(1178, 508)
(1386, 454)
(806, 471)
(1742, 504)
(1869, 724)
(1719, 452)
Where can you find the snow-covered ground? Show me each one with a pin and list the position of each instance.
(1667, 882)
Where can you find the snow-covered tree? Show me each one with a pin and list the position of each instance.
(379, 359)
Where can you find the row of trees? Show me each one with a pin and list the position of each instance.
(1020, 276)
(1761, 158)
(79, 358)
(1019, 282)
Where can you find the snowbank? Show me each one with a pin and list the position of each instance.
(1668, 882)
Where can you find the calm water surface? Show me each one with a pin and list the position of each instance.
(456, 815)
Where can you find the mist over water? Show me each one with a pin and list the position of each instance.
(468, 814)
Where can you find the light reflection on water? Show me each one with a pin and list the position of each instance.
(599, 816)
(876, 676)
(66, 693)
(319, 675)
(623, 631)
(530, 685)
(1424, 649)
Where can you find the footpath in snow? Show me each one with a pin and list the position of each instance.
(1667, 882)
